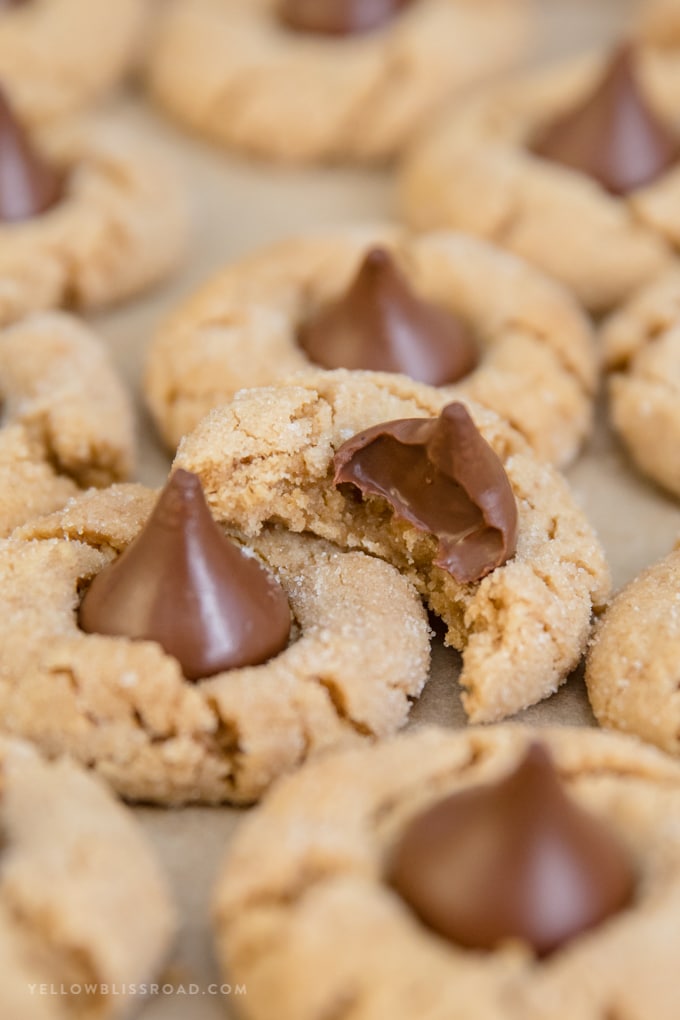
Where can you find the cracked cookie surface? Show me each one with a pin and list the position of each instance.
(124, 708)
(315, 931)
(231, 71)
(120, 227)
(473, 171)
(538, 363)
(82, 900)
(59, 56)
(67, 419)
(641, 349)
(632, 665)
(267, 456)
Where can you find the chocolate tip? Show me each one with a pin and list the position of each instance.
(184, 480)
(181, 498)
(377, 259)
(456, 412)
(537, 755)
(623, 59)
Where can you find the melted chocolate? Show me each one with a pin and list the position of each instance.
(338, 17)
(379, 324)
(518, 859)
(441, 476)
(29, 186)
(614, 135)
(184, 584)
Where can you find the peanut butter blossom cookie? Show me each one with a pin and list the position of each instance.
(185, 667)
(448, 493)
(82, 901)
(445, 309)
(67, 420)
(641, 347)
(577, 169)
(88, 215)
(498, 874)
(58, 56)
(631, 670)
(325, 79)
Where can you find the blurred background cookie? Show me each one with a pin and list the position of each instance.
(290, 80)
(641, 349)
(631, 670)
(59, 56)
(90, 214)
(83, 905)
(576, 168)
(67, 419)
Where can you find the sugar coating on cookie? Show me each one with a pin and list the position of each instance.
(68, 421)
(600, 245)
(235, 72)
(641, 350)
(316, 924)
(119, 227)
(82, 901)
(631, 668)
(267, 456)
(61, 56)
(537, 362)
(124, 707)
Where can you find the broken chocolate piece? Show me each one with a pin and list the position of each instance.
(441, 476)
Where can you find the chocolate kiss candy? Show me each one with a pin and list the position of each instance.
(381, 325)
(614, 135)
(440, 475)
(184, 584)
(338, 17)
(514, 860)
(28, 185)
